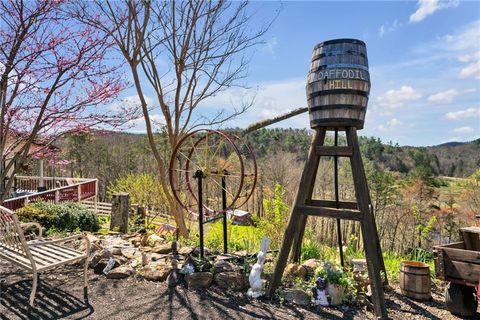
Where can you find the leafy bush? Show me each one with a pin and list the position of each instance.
(239, 237)
(35, 213)
(422, 255)
(274, 221)
(144, 189)
(61, 217)
(333, 275)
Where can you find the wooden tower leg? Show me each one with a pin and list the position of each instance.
(297, 239)
(367, 227)
(371, 217)
(293, 227)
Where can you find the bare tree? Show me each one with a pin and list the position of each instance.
(185, 52)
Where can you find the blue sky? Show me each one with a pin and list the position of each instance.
(424, 63)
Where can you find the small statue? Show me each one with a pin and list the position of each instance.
(257, 284)
(320, 293)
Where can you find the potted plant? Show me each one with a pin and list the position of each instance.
(337, 282)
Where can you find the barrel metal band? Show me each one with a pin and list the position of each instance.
(339, 53)
(336, 106)
(336, 41)
(340, 65)
(333, 120)
(338, 91)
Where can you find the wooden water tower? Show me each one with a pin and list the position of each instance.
(337, 89)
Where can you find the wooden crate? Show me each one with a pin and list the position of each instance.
(456, 264)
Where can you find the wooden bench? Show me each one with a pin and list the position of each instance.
(37, 255)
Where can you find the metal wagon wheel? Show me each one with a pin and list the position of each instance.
(217, 156)
(251, 173)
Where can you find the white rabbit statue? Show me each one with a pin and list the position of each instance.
(255, 278)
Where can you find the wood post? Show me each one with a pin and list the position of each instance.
(141, 215)
(120, 211)
(305, 206)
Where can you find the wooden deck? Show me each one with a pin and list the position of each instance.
(57, 190)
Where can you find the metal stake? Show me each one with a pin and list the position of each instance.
(337, 203)
(224, 207)
(199, 177)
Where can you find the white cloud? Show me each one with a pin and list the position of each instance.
(270, 99)
(390, 125)
(472, 70)
(473, 67)
(447, 96)
(396, 98)
(466, 43)
(444, 96)
(429, 7)
(463, 40)
(463, 114)
(130, 102)
(138, 125)
(270, 45)
(387, 27)
(464, 130)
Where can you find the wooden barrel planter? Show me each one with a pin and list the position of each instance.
(415, 280)
(338, 84)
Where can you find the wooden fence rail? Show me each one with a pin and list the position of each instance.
(75, 192)
(105, 209)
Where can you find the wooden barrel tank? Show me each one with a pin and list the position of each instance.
(338, 84)
(415, 280)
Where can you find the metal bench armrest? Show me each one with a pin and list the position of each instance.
(82, 236)
(32, 224)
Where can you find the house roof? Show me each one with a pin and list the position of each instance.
(38, 149)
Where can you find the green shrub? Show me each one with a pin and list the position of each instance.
(333, 275)
(311, 250)
(239, 237)
(36, 213)
(61, 217)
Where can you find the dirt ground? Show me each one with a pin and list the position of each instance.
(60, 296)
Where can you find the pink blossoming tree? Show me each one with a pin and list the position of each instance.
(54, 75)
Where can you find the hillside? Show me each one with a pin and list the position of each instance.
(455, 159)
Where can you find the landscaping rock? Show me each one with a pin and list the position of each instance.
(313, 263)
(185, 250)
(297, 296)
(120, 272)
(226, 257)
(196, 251)
(95, 244)
(155, 273)
(163, 248)
(198, 280)
(98, 256)
(294, 270)
(98, 268)
(117, 252)
(223, 266)
(234, 280)
(154, 240)
(242, 253)
(137, 240)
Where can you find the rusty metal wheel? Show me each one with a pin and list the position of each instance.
(219, 156)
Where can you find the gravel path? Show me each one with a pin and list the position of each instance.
(60, 296)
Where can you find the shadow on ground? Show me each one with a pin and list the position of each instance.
(50, 302)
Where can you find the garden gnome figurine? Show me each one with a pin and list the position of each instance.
(319, 292)
(257, 284)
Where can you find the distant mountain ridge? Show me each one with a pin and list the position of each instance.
(455, 159)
